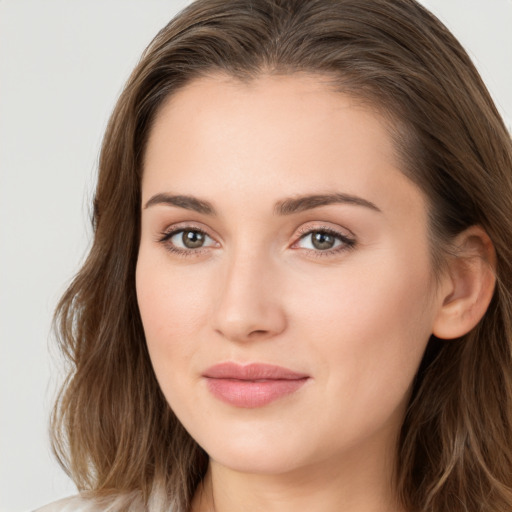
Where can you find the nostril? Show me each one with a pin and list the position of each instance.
(257, 332)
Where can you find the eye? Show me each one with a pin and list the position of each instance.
(324, 240)
(187, 240)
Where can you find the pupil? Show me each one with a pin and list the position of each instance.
(322, 240)
(192, 239)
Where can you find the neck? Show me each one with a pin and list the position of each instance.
(361, 482)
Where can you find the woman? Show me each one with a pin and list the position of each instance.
(299, 291)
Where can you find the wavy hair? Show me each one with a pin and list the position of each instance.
(112, 428)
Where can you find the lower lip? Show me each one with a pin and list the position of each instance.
(250, 393)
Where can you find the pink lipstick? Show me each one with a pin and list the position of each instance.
(253, 385)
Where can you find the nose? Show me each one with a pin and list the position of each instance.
(249, 305)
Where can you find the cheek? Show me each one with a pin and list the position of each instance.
(369, 328)
(173, 306)
(380, 293)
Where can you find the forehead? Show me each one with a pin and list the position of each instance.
(270, 102)
(293, 133)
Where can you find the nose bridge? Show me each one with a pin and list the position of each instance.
(248, 303)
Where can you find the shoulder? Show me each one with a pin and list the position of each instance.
(130, 501)
(71, 504)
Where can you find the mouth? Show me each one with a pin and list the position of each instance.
(253, 385)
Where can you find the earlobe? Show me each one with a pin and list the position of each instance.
(471, 281)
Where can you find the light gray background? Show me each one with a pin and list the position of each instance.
(62, 65)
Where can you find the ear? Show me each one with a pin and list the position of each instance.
(468, 285)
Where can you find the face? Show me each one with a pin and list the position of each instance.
(283, 277)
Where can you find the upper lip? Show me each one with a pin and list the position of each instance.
(253, 371)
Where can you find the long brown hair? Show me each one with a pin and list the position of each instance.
(112, 428)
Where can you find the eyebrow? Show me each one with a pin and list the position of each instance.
(308, 202)
(287, 206)
(186, 202)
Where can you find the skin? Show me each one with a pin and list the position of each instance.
(356, 321)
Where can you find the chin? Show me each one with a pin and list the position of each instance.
(256, 460)
(260, 448)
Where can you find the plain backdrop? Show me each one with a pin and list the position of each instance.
(62, 65)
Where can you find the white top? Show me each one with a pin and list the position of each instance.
(71, 504)
(131, 502)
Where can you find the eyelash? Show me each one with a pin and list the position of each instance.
(167, 235)
(347, 243)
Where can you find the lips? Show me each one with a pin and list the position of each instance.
(253, 385)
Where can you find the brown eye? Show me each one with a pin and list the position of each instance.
(325, 240)
(192, 239)
(186, 240)
(322, 241)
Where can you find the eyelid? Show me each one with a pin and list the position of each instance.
(345, 236)
(171, 234)
(184, 226)
(165, 236)
(309, 228)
